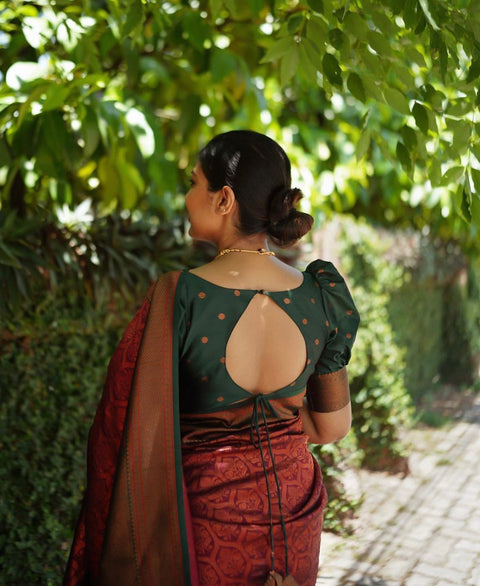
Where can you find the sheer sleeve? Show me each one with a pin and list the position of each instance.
(342, 318)
(328, 392)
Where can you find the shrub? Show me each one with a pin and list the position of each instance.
(90, 259)
(380, 402)
(52, 368)
(460, 358)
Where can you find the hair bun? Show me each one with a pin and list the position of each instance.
(286, 224)
(281, 204)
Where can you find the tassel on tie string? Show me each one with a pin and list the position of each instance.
(261, 401)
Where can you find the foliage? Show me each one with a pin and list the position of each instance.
(103, 105)
(460, 357)
(334, 460)
(85, 258)
(439, 294)
(52, 367)
(377, 102)
(380, 402)
(415, 312)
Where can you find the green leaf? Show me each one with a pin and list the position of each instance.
(379, 44)
(55, 97)
(222, 63)
(307, 67)
(410, 16)
(289, 65)
(461, 134)
(215, 7)
(421, 117)
(316, 5)
(443, 59)
(421, 25)
(135, 17)
(332, 70)
(453, 175)
(317, 31)
(255, 5)
(109, 180)
(415, 56)
(363, 144)
(196, 29)
(5, 158)
(355, 86)
(279, 49)
(356, 26)
(8, 258)
(466, 205)
(372, 89)
(396, 100)
(474, 71)
(475, 175)
(404, 156)
(404, 77)
(434, 97)
(385, 24)
(432, 121)
(435, 173)
(409, 137)
(191, 114)
(294, 23)
(131, 184)
(428, 14)
(313, 52)
(90, 132)
(142, 132)
(338, 39)
(475, 209)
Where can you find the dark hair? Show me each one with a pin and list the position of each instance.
(257, 169)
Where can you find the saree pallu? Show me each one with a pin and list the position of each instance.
(229, 503)
(134, 525)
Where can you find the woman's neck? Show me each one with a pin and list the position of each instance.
(254, 242)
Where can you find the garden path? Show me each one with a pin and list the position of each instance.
(420, 530)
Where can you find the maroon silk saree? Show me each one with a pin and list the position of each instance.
(134, 524)
(135, 527)
(235, 506)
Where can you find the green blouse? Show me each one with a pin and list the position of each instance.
(321, 306)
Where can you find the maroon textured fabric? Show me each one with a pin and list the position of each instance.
(230, 510)
(103, 449)
(132, 529)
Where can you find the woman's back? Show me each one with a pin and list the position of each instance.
(266, 349)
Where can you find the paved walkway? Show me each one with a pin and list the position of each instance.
(422, 530)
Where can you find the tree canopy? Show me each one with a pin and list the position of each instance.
(105, 103)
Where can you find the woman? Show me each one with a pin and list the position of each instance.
(198, 466)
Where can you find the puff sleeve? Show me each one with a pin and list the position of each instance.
(341, 317)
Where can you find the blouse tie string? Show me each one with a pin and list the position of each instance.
(261, 403)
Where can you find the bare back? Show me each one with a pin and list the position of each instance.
(266, 350)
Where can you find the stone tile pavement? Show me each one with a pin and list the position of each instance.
(421, 530)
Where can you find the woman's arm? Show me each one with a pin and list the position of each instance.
(326, 412)
(325, 428)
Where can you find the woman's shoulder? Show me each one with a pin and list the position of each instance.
(324, 272)
(334, 289)
(249, 274)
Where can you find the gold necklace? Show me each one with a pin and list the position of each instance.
(262, 251)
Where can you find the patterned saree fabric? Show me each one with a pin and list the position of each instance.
(191, 478)
(134, 524)
(255, 492)
(230, 506)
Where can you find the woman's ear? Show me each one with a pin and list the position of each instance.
(225, 201)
